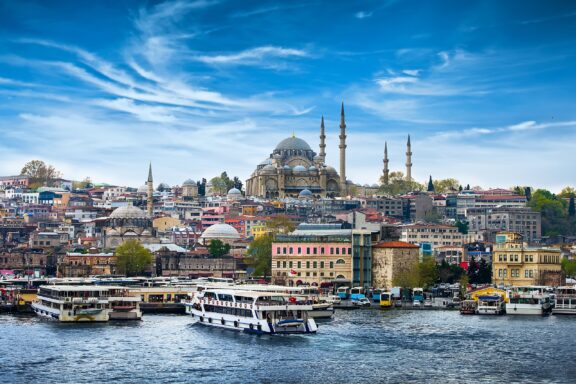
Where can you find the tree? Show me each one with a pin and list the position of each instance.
(280, 224)
(217, 248)
(39, 172)
(554, 210)
(432, 216)
(569, 267)
(237, 183)
(428, 272)
(462, 227)
(567, 192)
(571, 207)
(398, 185)
(407, 277)
(218, 185)
(132, 258)
(467, 187)
(473, 271)
(528, 193)
(484, 272)
(446, 185)
(259, 255)
(430, 185)
(86, 183)
(201, 187)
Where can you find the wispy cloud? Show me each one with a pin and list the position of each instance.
(259, 56)
(362, 15)
(519, 127)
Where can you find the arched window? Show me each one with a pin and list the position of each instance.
(340, 261)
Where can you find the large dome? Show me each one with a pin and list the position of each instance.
(221, 231)
(128, 212)
(189, 182)
(293, 143)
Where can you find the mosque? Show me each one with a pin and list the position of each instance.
(293, 169)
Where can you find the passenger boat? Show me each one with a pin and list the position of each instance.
(529, 300)
(565, 301)
(252, 311)
(162, 299)
(124, 305)
(69, 303)
(468, 307)
(490, 305)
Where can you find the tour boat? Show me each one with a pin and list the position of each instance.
(468, 307)
(490, 305)
(565, 301)
(69, 303)
(123, 304)
(258, 312)
(529, 300)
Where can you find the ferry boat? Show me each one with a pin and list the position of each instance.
(468, 307)
(69, 303)
(529, 300)
(565, 301)
(163, 299)
(123, 304)
(257, 312)
(490, 305)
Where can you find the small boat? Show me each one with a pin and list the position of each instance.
(490, 305)
(529, 300)
(468, 307)
(565, 301)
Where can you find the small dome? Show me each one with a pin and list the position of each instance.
(267, 161)
(305, 193)
(293, 143)
(330, 169)
(234, 192)
(299, 168)
(221, 231)
(312, 168)
(269, 169)
(189, 182)
(128, 212)
(287, 167)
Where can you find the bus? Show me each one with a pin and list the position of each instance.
(357, 293)
(418, 295)
(385, 299)
(343, 292)
(376, 292)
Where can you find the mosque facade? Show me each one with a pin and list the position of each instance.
(294, 168)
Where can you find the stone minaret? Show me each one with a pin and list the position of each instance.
(322, 153)
(385, 179)
(408, 160)
(342, 147)
(150, 199)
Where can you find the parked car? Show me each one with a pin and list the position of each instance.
(362, 302)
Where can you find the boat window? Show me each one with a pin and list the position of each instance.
(224, 297)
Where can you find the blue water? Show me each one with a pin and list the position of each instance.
(359, 346)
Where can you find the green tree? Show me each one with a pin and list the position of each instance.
(567, 192)
(40, 173)
(473, 270)
(259, 255)
(237, 183)
(569, 267)
(132, 259)
(462, 226)
(408, 277)
(484, 272)
(528, 193)
(428, 273)
(86, 183)
(280, 224)
(554, 210)
(218, 185)
(446, 185)
(571, 207)
(217, 248)
(463, 285)
(398, 185)
(430, 185)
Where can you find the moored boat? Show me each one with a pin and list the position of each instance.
(490, 305)
(68, 303)
(468, 307)
(565, 301)
(251, 311)
(529, 300)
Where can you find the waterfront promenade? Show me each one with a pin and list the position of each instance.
(362, 346)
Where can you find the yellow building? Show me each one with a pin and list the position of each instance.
(163, 224)
(516, 264)
(260, 230)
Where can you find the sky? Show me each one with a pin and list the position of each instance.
(486, 89)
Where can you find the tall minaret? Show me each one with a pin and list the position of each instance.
(386, 170)
(150, 199)
(408, 160)
(342, 146)
(322, 153)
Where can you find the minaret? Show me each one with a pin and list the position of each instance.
(343, 189)
(322, 153)
(150, 199)
(386, 170)
(408, 160)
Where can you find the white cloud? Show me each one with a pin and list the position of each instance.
(254, 56)
(362, 15)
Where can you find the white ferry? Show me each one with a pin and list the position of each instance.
(251, 311)
(565, 301)
(86, 303)
(490, 305)
(73, 303)
(529, 300)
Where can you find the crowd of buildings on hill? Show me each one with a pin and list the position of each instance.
(359, 240)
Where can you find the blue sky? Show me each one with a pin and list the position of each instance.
(486, 89)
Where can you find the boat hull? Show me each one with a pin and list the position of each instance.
(525, 309)
(70, 316)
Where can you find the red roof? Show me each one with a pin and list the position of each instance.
(394, 244)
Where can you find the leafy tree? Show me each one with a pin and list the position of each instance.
(217, 248)
(86, 183)
(237, 183)
(428, 273)
(528, 193)
(218, 185)
(280, 224)
(398, 185)
(571, 207)
(462, 226)
(132, 258)
(484, 272)
(460, 189)
(40, 173)
(554, 210)
(446, 185)
(473, 270)
(430, 185)
(201, 187)
(467, 187)
(432, 216)
(567, 192)
(463, 285)
(408, 277)
(569, 267)
(259, 255)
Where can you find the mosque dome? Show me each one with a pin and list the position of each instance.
(220, 231)
(293, 143)
(189, 182)
(267, 161)
(287, 167)
(312, 168)
(330, 169)
(269, 169)
(143, 189)
(305, 193)
(128, 212)
(299, 168)
(234, 193)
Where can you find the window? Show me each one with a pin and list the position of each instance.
(284, 250)
(331, 264)
(307, 264)
(337, 251)
(331, 250)
(307, 250)
(278, 250)
(283, 264)
(340, 261)
(322, 264)
(278, 264)
(299, 250)
(291, 250)
(307, 273)
(349, 251)
(315, 264)
(290, 264)
(322, 250)
(315, 250)
(299, 264)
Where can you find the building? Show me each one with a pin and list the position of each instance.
(128, 222)
(388, 206)
(223, 232)
(434, 234)
(189, 189)
(519, 220)
(293, 167)
(515, 263)
(75, 264)
(21, 181)
(28, 261)
(390, 259)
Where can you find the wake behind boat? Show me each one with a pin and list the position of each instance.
(252, 312)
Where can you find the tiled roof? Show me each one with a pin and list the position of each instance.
(394, 244)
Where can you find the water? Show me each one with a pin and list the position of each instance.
(357, 346)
